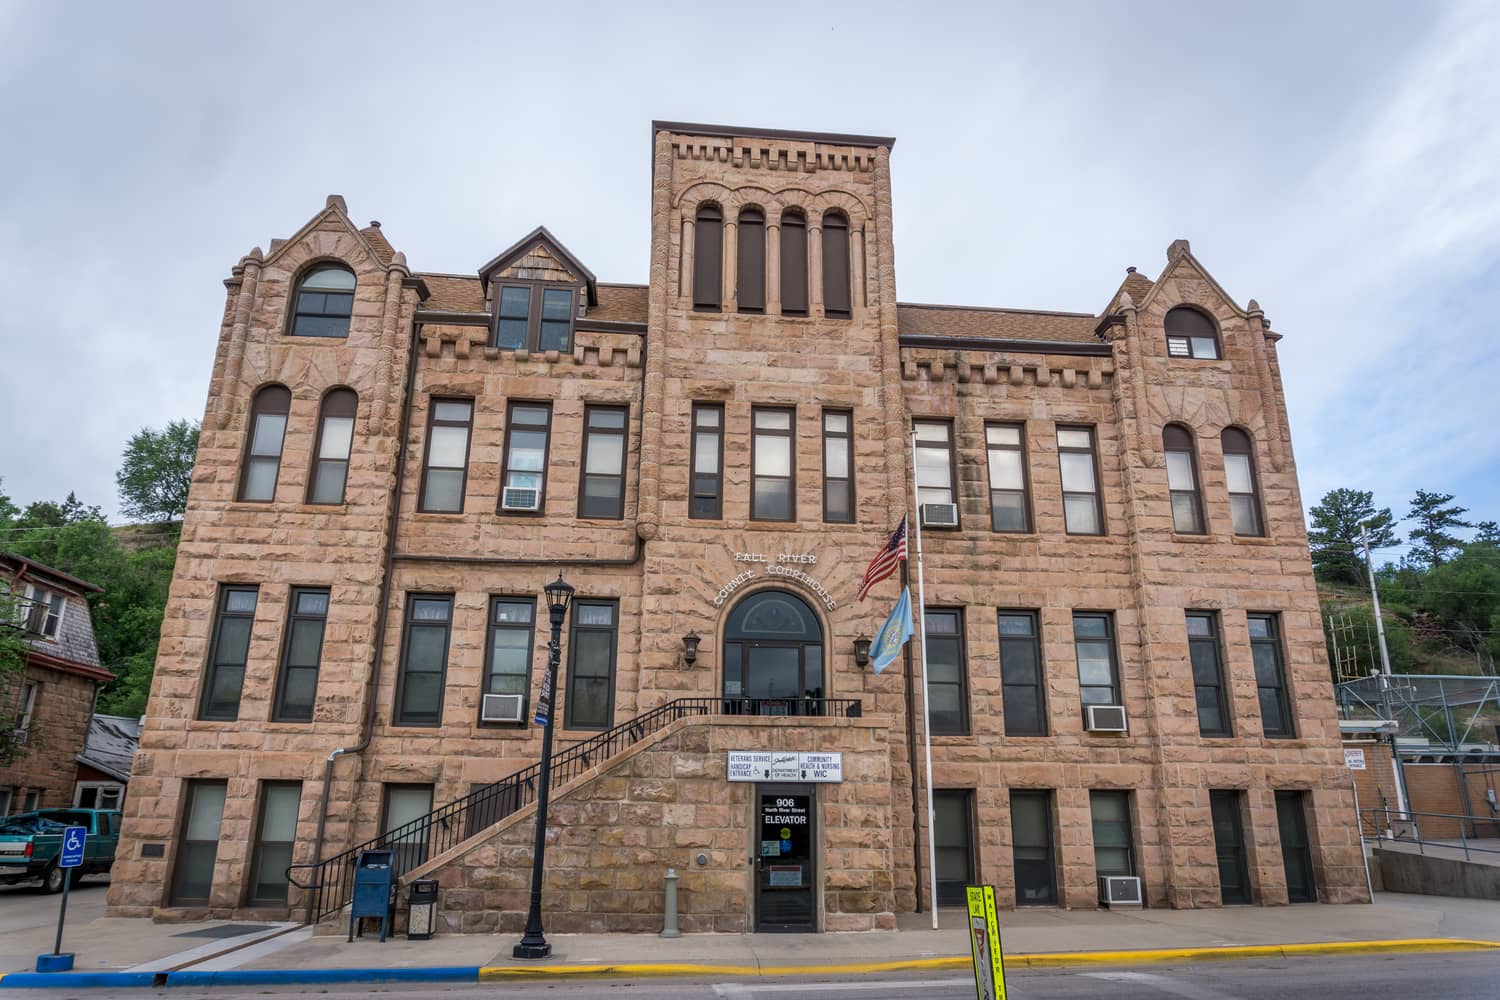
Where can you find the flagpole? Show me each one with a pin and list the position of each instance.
(926, 701)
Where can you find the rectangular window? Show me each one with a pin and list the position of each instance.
(947, 681)
(953, 843)
(556, 332)
(227, 652)
(934, 461)
(1010, 507)
(601, 489)
(526, 320)
(524, 489)
(49, 617)
(508, 661)
(445, 469)
(198, 843)
(708, 462)
(28, 704)
(1244, 507)
(774, 475)
(424, 660)
(591, 665)
(514, 315)
(1023, 697)
(404, 806)
(301, 654)
(276, 831)
(1270, 675)
(5, 795)
(1080, 481)
(838, 466)
(1033, 860)
(1113, 854)
(1208, 674)
(1229, 846)
(1296, 847)
(1098, 671)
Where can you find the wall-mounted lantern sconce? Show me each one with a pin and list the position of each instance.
(861, 651)
(690, 647)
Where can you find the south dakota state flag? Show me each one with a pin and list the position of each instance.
(893, 634)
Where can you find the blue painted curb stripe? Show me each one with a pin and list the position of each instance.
(240, 977)
(38, 980)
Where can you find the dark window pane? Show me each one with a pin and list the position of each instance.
(708, 258)
(793, 265)
(836, 288)
(510, 335)
(750, 258)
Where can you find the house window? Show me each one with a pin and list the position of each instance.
(301, 654)
(947, 681)
(591, 665)
(52, 605)
(1010, 507)
(556, 332)
(325, 300)
(445, 470)
(708, 259)
(268, 416)
(198, 843)
(708, 462)
(424, 660)
(1239, 474)
(5, 797)
(1208, 674)
(1270, 675)
(793, 264)
(1113, 854)
(103, 795)
(601, 489)
(953, 844)
(1022, 692)
(836, 291)
(331, 450)
(524, 490)
(404, 809)
(276, 831)
(1080, 481)
(526, 320)
(838, 471)
(228, 652)
(1190, 334)
(508, 660)
(28, 704)
(774, 472)
(750, 259)
(1098, 672)
(1033, 861)
(934, 462)
(513, 317)
(31, 799)
(1182, 481)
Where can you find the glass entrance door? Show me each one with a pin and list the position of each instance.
(773, 656)
(784, 869)
(1229, 845)
(1296, 851)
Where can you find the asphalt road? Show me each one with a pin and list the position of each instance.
(1453, 976)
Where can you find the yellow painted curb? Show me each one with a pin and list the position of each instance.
(1048, 960)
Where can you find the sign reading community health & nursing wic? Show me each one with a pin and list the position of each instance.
(778, 765)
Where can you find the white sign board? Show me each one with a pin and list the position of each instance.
(1354, 760)
(762, 765)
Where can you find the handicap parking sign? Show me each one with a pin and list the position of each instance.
(74, 837)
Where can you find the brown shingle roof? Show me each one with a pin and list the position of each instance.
(621, 303)
(453, 293)
(998, 324)
(1136, 284)
(378, 243)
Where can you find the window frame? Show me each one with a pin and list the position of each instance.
(258, 844)
(487, 674)
(536, 291)
(1048, 798)
(959, 637)
(574, 628)
(30, 691)
(835, 221)
(847, 481)
(1273, 640)
(505, 458)
(57, 605)
(1098, 494)
(1039, 685)
(338, 394)
(1189, 339)
(623, 433)
(950, 431)
(1111, 640)
(211, 667)
(1257, 509)
(791, 480)
(709, 297)
(257, 410)
(693, 430)
(1213, 640)
(293, 616)
(1020, 449)
(1124, 796)
(755, 278)
(295, 304)
(463, 481)
(398, 713)
(971, 840)
(787, 253)
(193, 787)
(1169, 448)
(406, 851)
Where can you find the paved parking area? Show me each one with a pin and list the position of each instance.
(28, 920)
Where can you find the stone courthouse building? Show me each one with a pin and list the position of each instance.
(1126, 665)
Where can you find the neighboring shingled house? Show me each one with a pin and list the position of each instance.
(104, 763)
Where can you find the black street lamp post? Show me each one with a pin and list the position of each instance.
(534, 942)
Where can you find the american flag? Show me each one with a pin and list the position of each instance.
(885, 561)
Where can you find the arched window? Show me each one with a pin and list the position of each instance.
(331, 450)
(750, 260)
(773, 656)
(1239, 473)
(1190, 334)
(268, 415)
(325, 298)
(1182, 481)
(708, 259)
(836, 292)
(793, 264)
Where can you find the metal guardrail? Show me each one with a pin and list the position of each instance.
(1403, 827)
(329, 886)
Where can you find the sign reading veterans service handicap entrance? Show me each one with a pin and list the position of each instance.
(984, 940)
(1354, 759)
(763, 765)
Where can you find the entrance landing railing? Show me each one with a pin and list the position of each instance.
(1404, 827)
(328, 884)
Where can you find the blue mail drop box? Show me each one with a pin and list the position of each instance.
(374, 878)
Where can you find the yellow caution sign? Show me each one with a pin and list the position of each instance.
(984, 939)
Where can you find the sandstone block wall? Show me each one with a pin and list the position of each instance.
(59, 723)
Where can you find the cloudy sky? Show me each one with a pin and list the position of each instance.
(1338, 162)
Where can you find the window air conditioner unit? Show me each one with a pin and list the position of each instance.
(516, 498)
(940, 515)
(1106, 719)
(1119, 890)
(502, 708)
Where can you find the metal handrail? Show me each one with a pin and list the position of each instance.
(330, 886)
(1386, 830)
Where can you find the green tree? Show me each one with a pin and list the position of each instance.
(156, 472)
(13, 646)
(1489, 531)
(1464, 595)
(1436, 516)
(1334, 535)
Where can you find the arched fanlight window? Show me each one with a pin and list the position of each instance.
(1239, 474)
(793, 263)
(750, 262)
(836, 291)
(1190, 334)
(331, 450)
(268, 415)
(1182, 480)
(708, 258)
(325, 299)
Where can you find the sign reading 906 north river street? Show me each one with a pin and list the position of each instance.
(780, 765)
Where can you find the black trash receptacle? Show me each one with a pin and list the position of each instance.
(421, 909)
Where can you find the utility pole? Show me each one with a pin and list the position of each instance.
(1385, 675)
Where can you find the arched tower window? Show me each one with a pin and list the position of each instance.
(331, 450)
(268, 416)
(1182, 480)
(325, 299)
(708, 259)
(836, 290)
(750, 260)
(1190, 334)
(1244, 489)
(793, 263)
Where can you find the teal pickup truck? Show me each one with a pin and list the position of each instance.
(30, 843)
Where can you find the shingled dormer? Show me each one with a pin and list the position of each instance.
(534, 291)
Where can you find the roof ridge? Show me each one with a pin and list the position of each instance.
(446, 274)
(998, 309)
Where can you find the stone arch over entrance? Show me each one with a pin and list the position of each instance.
(774, 661)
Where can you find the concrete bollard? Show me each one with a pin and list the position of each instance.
(670, 929)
